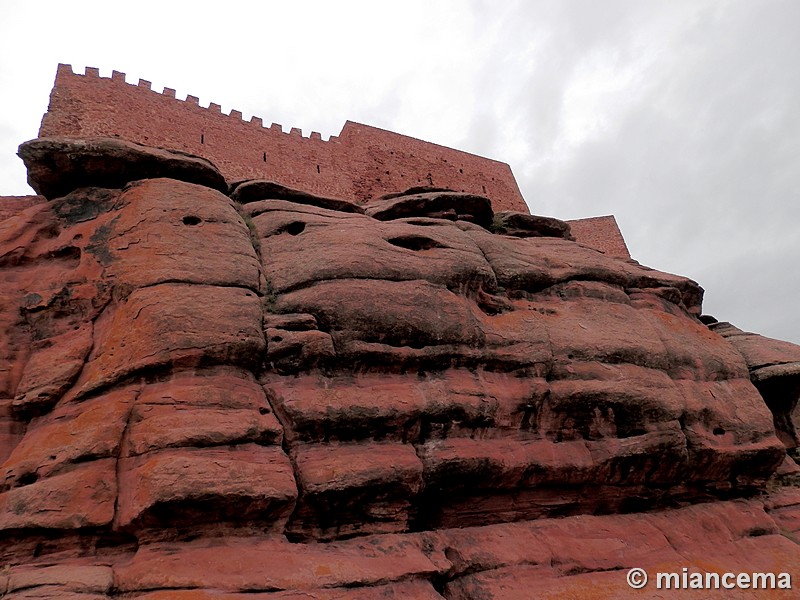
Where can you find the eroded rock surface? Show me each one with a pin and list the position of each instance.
(775, 370)
(282, 400)
(57, 166)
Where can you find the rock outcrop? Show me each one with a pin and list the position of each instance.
(289, 398)
(775, 370)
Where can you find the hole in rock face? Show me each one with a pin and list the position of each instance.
(192, 220)
(719, 431)
(28, 478)
(293, 228)
(414, 242)
(263, 410)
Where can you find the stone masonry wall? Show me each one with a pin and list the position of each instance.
(363, 162)
(600, 233)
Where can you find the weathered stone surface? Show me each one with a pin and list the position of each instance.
(191, 401)
(174, 324)
(775, 370)
(343, 246)
(441, 205)
(73, 577)
(52, 592)
(164, 234)
(12, 429)
(73, 432)
(351, 489)
(272, 564)
(57, 166)
(188, 487)
(82, 497)
(784, 507)
(291, 351)
(419, 314)
(52, 368)
(199, 409)
(534, 264)
(524, 225)
(157, 427)
(262, 189)
(416, 589)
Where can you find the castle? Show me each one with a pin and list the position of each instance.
(361, 163)
(208, 392)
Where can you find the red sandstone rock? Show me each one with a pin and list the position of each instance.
(273, 564)
(204, 408)
(354, 489)
(56, 166)
(262, 189)
(164, 234)
(52, 369)
(416, 589)
(182, 389)
(533, 264)
(82, 497)
(775, 370)
(344, 246)
(420, 314)
(524, 225)
(188, 487)
(73, 432)
(78, 578)
(291, 351)
(172, 324)
(448, 205)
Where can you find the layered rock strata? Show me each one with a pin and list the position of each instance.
(286, 397)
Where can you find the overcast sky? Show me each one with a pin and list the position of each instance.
(681, 118)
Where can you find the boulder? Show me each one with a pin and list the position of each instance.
(524, 225)
(442, 204)
(775, 370)
(262, 189)
(57, 166)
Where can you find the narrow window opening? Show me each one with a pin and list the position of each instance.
(265, 157)
(317, 168)
(484, 188)
(202, 138)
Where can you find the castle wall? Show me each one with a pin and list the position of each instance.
(363, 162)
(600, 233)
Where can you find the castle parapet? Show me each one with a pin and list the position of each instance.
(361, 163)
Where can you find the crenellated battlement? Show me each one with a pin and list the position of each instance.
(360, 163)
(65, 70)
